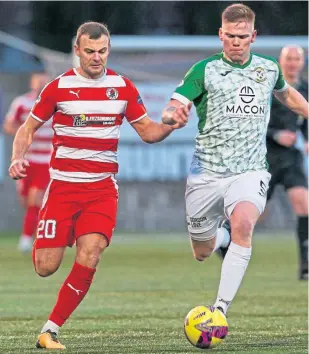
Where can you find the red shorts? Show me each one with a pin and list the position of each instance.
(70, 210)
(37, 177)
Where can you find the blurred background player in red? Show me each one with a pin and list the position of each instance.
(31, 189)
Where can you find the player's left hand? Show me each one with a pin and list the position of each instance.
(307, 148)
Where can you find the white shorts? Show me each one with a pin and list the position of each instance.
(211, 200)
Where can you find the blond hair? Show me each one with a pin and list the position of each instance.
(238, 13)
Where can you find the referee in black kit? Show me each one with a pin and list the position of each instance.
(286, 162)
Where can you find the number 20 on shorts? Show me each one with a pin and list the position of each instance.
(46, 229)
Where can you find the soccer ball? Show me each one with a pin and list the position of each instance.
(205, 327)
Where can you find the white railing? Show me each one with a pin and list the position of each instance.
(189, 43)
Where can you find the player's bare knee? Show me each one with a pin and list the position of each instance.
(201, 256)
(43, 269)
(89, 249)
(89, 256)
(242, 228)
(47, 260)
(44, 273)
(202, 249)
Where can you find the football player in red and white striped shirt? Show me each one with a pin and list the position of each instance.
(87, 106)
(31, 188)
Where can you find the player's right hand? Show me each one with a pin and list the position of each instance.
(17, 169)
(286, 138)
(177, 117)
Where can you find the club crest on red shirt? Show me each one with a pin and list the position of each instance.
(112, 93)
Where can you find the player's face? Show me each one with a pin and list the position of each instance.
(38, 81)
(93, 55)
(292, 61)
(237, 38)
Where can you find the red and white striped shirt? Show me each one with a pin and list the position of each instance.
(87, 115)
(41, 148)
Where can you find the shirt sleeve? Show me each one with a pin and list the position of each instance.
(281, 84)
(45, 106)
(14, 112)
(192, 86)
(135, 109)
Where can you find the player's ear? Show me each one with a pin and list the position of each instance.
(254, 33)
(220, 34)
(76, 50)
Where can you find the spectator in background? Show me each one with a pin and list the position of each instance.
(286, 162)
(31, 189)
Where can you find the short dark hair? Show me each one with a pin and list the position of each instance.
(238, 12)
(93, 29)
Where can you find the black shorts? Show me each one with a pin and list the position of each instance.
(287, 170)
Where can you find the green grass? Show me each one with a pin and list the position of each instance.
(142, 291)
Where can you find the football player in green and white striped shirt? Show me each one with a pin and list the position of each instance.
(228, 179)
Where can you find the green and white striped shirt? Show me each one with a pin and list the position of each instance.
(233, 106)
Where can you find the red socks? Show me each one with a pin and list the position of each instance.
(72, 292)
(30, 221)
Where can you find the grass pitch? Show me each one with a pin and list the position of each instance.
(142, 291)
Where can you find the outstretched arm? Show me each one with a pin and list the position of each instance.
(153, 132)
(293, 100)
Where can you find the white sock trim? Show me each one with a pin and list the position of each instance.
(243, 251)
(50, 325)
(26, 236)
